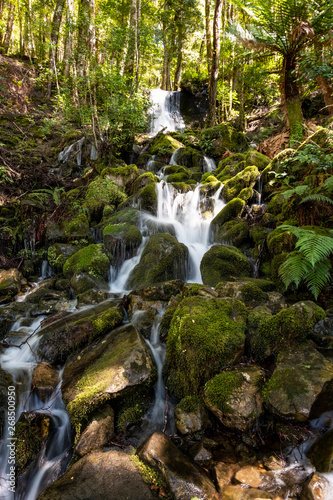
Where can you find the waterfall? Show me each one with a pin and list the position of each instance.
(165, 111)
(208, 164)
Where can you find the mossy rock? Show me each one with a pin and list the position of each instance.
(222, 138)
(244, 179)
(182, 186)
(252, 295)
(231, 161)
(124, 177)
(191, 415)
(163, 145)
(70, 333)
(10, 282)
(222, 263)
(176, 169)
(128, 215)
(289, 327)
(258, 159)
(232, 232)
(189, 157)
(105, 192)
(321, 452)
(58, 253)
(205, 335)
(179, 177)
(156, 226)
(91, 259)
(301, 384)
(77, 228)
(122, 241)
(82, 282)
(144, 180)
(163, 259)
(148, 199)
(279, 241)
(105, 370)
(208, 177)
(258, 234)
(232, 210)
(31, 436)
(234, 397)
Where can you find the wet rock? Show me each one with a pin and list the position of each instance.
(185, 480)
(163, 259)
(201, 455)
(10, 283)
(68, 334)
(90, 259)
(105, 370)
(155, 227)
(45, 295)
(224, 474)
(231, 211)
(83, 282)
(321, 453)
(11, 313)
(204, 335)
(238, 186)
(301, 385)
(191, 416)
(98, 433)
(239, 493)
(31, 436)
(144, 320)
(104, 476)
(91, 297)
(234, 397)
(222, 263)
(223, 137)
(232, 232)
(254, 477)
(58, 253)
(316, 488)
(160, 291)
(122, 241)
(45, 379)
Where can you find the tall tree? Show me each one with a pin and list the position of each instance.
(9, 27)
(55, 28)
(214, 69)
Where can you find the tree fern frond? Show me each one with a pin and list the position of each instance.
(294, 269)
(315, 247)
(317, 197)
(328, 184)
(317, 278)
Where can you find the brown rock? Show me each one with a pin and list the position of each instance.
(254, 476)
(239, 493)
(316, 488)
(44, 379)
(224, 474)
(98, 433)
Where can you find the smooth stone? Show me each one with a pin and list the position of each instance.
(98, 433)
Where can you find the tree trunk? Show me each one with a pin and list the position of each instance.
(180, 38)
(208, 34)
(55, 27)
(68, 48)
(9, 28)
(86, 35)
(125, 47)
(214, 71)
(327, 92)
(291, 98)
(165, 71)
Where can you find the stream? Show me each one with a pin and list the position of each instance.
(187, 215)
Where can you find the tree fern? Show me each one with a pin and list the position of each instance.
(310, 260)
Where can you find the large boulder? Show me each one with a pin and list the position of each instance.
(184, 479)
(222, 263)
(105, 476)
(70, 333)
(237, 186)
(234, 397)
(107, 369)
(163, 259)
(301, 386)
(10, 283)
(122, 176)
(231, 211)
(91, 260)
(205, 335)
(222, 138)
(122, 241)
(233, 232)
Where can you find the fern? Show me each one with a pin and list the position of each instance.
(299, 190)
(310, 260)
(317, 197)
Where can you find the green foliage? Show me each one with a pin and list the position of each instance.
(320, 159)
(310, 260)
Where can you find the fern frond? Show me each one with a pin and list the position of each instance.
(328, 184)
(315, 247)
(294, 269)
(299, 190)
(317, 197)
(317, 278)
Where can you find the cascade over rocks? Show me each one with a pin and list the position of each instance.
(185, 480)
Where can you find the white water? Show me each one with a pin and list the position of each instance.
(118, 278)
(165, 111)
(208, 164)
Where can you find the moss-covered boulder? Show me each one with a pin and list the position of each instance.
(232, 210)
(189, 157)
(176, 169)
(10, 283)
(258, 159)
(68, 334)
(244, 179)
(321, 453)
(124, 176)
(232, 163)
(234, 397)
(163, 259)
(232, 232)
(289, 327)
(147, 199)
(122, 241)
(91, 260)
(77, 228)
(301, 384)
(221, 138)
(163, 145)
(191, 415)
(221, 263)
(179, 177)
(104, 371)
(279, 241)
(58, 253)
(31, 435)
(205, 335)
(92, 477)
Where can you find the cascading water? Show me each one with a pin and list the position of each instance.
(208, 164)
(165, 111)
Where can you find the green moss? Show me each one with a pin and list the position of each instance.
(244, 179)
(219, 389)
(231, 161)
(123, 171)
(148, 199)
(233, 232)
(222, 263)
(189, 157)
(78, 227)
(29, 442)
(258, 159)
(232, 210)
(208, 177)
(123, 239)
(289, 327)
(246, 194)
(204, 336)
(251, 293)
(221, 138)
(190, 404)
(164, 145)
(176, 169)
(91, 260)
(182, 187)
(105, 192)
(179, 177)
(166, 321)
(128, 215)
(230, 171)
(280, 241)
(288, 380)
(151, 476)
(106, 321)
(144, 180)
(132, 408)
